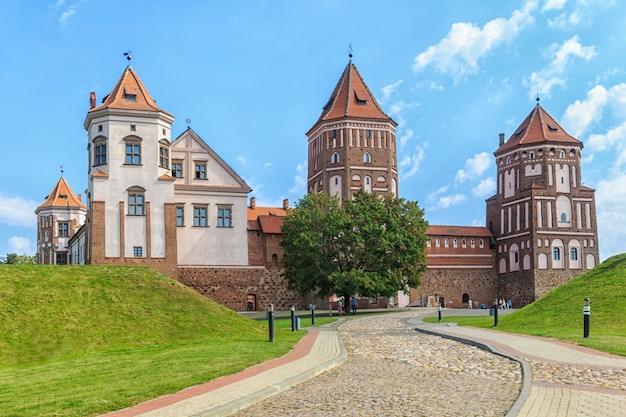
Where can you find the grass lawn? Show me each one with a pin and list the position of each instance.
(559, 314)
(81, 341)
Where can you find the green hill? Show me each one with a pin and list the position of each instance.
(82, 340)
(559, 314)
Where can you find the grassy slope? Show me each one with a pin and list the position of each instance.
(83, 340)
(560, 313)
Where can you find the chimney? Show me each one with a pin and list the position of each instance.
(286, 204)
(501, 139)
(80, 198)
(252, 203)
(92, 99)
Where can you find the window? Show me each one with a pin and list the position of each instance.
(133, 128)
(334, 133)
(164, 156)
(199, 216)
(177, 169)
(367, 158)
(532, 155)
(573, 254)
(335, 159)
(368, 133)
(556, 254)
(137, 251)
(180, 216)
(201, 170)
(481, 243)
(100, 153)
(64, 229)
(224, 217)
(99, 128)
(562, 154)
(437, 242)
(455, 243)
(133, 153)
(61, 258)
(136, 203)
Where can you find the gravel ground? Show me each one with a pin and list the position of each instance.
(392, 370)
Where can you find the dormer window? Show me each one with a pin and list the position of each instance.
(552, 128)
(360, 97)
(130, 96)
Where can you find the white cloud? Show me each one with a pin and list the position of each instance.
(20, 245)
(565, 21)
(268, 165)
(300, 180)
(15, 211)
(405, 136)
(543, 81)
(553, 5)
(484, 188)
(465, 44)
(474, 167)
(617, 100)
(390, 90)
(579, 115)
(439, 199)
(242, 160)
(611, 215)
(435, 86)
(410, 163)
(602, 142)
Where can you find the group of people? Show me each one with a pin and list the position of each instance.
(341, 305)
(505, 304)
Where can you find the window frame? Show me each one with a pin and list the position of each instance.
(177, 168)
(224, 216)
(136, 201)
(180, 216)
(100, 151)
(164, 155)
(133, 157)
(200, 216)
(138, 251)
(201, 174)
(63, 231)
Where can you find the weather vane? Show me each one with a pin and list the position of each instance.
(350, 49)
(188, 122)
(127, 55)
(61, 166)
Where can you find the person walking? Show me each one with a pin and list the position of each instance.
(353, 303)
(340, 306)
(330, 309)
(469, 304)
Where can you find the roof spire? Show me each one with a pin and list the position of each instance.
(350, 51)
(537, 99)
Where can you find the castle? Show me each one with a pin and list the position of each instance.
(175, 205)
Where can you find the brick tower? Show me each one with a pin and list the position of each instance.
(352, 145)
(542, 217)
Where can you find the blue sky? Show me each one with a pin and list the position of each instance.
(252, 76)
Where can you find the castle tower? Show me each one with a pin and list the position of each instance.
(130, 193)
(542, 217)
(58, 219)
(352, 145)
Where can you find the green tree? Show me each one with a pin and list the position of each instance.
(371, 246)
(15, 259)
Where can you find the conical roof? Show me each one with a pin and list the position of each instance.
(352, 98)
(61, 196)
(130, 94)
(538, 127)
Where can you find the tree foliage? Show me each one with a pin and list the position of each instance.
(15, 259)
(372, 246)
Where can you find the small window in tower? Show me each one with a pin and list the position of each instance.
(334, 133)
(137, 251)
(552, 128)
(360, 97)
(99, 128)
(368, 133)
(133, 128)
(130, 97)
(532, 155)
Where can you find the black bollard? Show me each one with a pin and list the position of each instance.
(293, 319)
(270, 319)
(495, 312)
(439, 311)
(312, 314)
(586, 317)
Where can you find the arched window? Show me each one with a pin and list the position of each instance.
(437, 242)
(367, 158)
(335, 159)
(100, 151)
(531, 155)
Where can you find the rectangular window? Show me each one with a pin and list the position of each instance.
(133, 128)
(64, 229)
(164, 157)
(573, 254)
(130, 97)
(137, 251)
(199, 217)
(224, 217)
(61, 258)
(133, 153)
(180, 216)
(100, 154)
(136, 204)
(201, 170)
(177, 169)
(556, 254)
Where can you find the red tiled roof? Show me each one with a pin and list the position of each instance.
(254, 213)
(538, 127)
(254, 225)
(62, 196)
(270, 224)
(435, 230)
(352, 98)
(129, 85)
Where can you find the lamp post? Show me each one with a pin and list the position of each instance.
(586, 317)
(293, 319)
(270, 319)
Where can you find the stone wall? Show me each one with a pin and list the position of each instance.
(235, 287)
(479, 284)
